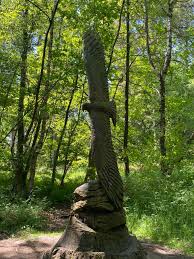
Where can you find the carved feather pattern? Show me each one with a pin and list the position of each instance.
(102, 148)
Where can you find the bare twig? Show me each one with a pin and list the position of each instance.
(40, 9)
(148, 37)
(121, 79)
(116, 38)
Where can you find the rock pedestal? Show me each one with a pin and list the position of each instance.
(95, 229)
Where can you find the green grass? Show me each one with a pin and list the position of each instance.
(22, 218)
(31, 233)
(19, 215)
(162, 208)
(158, 208)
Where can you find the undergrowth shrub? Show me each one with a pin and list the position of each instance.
(17, 214)
(162, 207)
(59, 194)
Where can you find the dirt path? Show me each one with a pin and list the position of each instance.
(29, 249)
(12, 248)
(33, 248)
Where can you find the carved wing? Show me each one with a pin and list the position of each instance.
(95, 67)
(103, 153)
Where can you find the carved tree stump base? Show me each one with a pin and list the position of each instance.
(95, 230)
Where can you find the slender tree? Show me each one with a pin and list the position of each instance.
(161, 73)
(56, 154)
(44, 115)
(126, 130)
(67, 162)
(20, 174)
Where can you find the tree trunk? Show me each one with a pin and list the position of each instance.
(162, 124)
(32, 174)
(126, 158)
(71, 135)
(20, 173)
(36, 152)
(44, 116)
(39, 83)
(161, 74)
(91, 170)
(56, 154)
(66, 160)
(162, 79)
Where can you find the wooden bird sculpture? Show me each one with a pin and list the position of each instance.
(101, 109)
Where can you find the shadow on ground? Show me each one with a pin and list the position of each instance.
(33, 249)
(20, 249)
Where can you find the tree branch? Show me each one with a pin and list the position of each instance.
(116, 38)
(147, 36)
(168, 55)
(40, 9)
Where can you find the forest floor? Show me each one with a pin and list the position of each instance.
(13, 248)
(31, 247)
